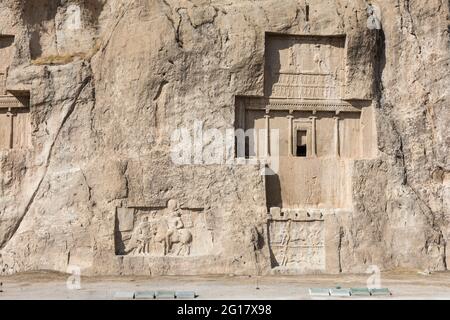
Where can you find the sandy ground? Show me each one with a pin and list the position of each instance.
(48, 285)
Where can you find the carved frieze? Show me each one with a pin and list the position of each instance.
(307, 86)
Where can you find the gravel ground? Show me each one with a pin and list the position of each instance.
(48, 285)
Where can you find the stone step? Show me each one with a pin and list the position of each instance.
(144, 295)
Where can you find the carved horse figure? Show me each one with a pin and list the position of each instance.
(168, 237)
(171, 230)
(168, 230)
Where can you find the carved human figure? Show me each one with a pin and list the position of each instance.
(140, 239)
(373, 20)
(176, 232)
(174, 222)
(292, 58)
(285, 239)
(155, 233)
(73, 20)
(321, 60)
(317, 59)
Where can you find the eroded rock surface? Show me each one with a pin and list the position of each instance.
(96, 89)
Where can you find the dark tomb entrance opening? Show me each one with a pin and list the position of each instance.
(302, 149)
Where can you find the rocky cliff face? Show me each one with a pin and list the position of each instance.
(111, 82)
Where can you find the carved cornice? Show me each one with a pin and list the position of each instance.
(267, 104)
(13, 102)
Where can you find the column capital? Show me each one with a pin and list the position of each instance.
(9, 113)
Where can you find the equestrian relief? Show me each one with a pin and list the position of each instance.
(157, 232)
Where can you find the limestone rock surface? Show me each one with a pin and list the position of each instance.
(110, 82)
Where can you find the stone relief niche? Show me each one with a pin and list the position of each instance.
(296, 240)
(163, 231)
(15, 131)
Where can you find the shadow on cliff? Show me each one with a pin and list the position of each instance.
(273, 191)
(380, 63)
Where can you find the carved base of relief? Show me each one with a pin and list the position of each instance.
(296, 241)
(161, 232)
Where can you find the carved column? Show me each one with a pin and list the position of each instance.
(240, 114)
(336, 135)
(2, 83)
(256, 143)
(11, 128)
(290, 136)
(267, 146)
(313, 136)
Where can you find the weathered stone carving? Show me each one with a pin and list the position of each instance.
(6, 54)
(305, 76)
(14, 108)
(170, 231)
(296, 240)
(320, 133)
(108, 96)
(305, 67)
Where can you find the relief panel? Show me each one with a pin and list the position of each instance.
(305, 67)
(297, 241)
(159, 232)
